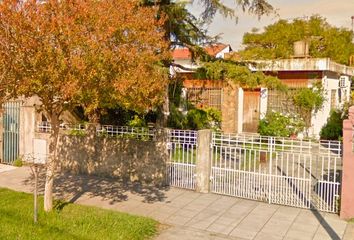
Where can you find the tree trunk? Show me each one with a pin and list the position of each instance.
(164, 110)
(52, 163)
(94, 117)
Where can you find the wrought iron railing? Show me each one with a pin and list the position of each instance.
(103, 130)
(280, 144)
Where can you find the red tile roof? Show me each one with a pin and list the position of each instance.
(184, 53)
(215, 49)
(181, 53)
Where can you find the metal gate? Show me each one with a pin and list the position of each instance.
(299, 174)
(181, 167)
(11, 121)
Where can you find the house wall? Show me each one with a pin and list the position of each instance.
(298, 78)
(230, 107)
(301, 64)
(222, 53)
(198, 83)
(329, 82)
(231, 102)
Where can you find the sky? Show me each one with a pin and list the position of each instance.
(337, 13)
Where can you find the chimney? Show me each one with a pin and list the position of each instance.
(301, 49)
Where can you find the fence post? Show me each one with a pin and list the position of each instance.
(162, 139)
(347, 193)
(203, 163)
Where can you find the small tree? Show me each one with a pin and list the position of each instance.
(84, 52)
(308, 101)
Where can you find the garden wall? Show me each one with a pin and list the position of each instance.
(126, 159)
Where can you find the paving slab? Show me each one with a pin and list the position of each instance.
(308, 229)
(276, 227)
(244, 232)
(221, 228)
(349, 232)
(186, 233)
(267, 236)
(295, 234)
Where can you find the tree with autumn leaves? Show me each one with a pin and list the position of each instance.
(94, 54)
(87, 53)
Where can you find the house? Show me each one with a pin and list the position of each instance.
(243, 108)
(298, 73)
(202, 93)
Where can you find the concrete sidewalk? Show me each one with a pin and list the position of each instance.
(191, 215)
(5, 168)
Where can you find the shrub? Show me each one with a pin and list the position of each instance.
(176, 119)
(308, 100)
(137, 122)
(332, 130)
(18, 162)
(195, 119)
(278, 124)
(77, 132)
(214, 118)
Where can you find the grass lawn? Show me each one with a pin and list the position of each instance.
(68, 221)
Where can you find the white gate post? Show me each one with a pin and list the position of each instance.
(203, 163)
(270, 170)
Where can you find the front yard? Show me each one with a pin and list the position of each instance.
(67, 221)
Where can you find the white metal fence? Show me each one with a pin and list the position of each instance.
(181, 166)
(279, 144)
(296, 174)
(140, 133)
(125, 131)
(299, 173)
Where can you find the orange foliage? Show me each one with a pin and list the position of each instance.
(82, 52)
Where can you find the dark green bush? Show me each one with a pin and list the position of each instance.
(197, 119)
(334, 127)
(194, 119)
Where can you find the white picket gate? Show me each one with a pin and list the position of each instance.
(299, 174)
(304, 174)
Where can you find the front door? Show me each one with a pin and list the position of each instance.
(251, 110)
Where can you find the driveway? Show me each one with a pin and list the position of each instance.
(190, 215)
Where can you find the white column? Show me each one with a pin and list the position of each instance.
(240, 111)
(263, 103)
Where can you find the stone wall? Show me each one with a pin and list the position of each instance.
(229, 110)
(126, 159)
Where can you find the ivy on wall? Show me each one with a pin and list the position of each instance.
(237, 73)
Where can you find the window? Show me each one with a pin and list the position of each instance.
(281, 102)
(205, 97)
